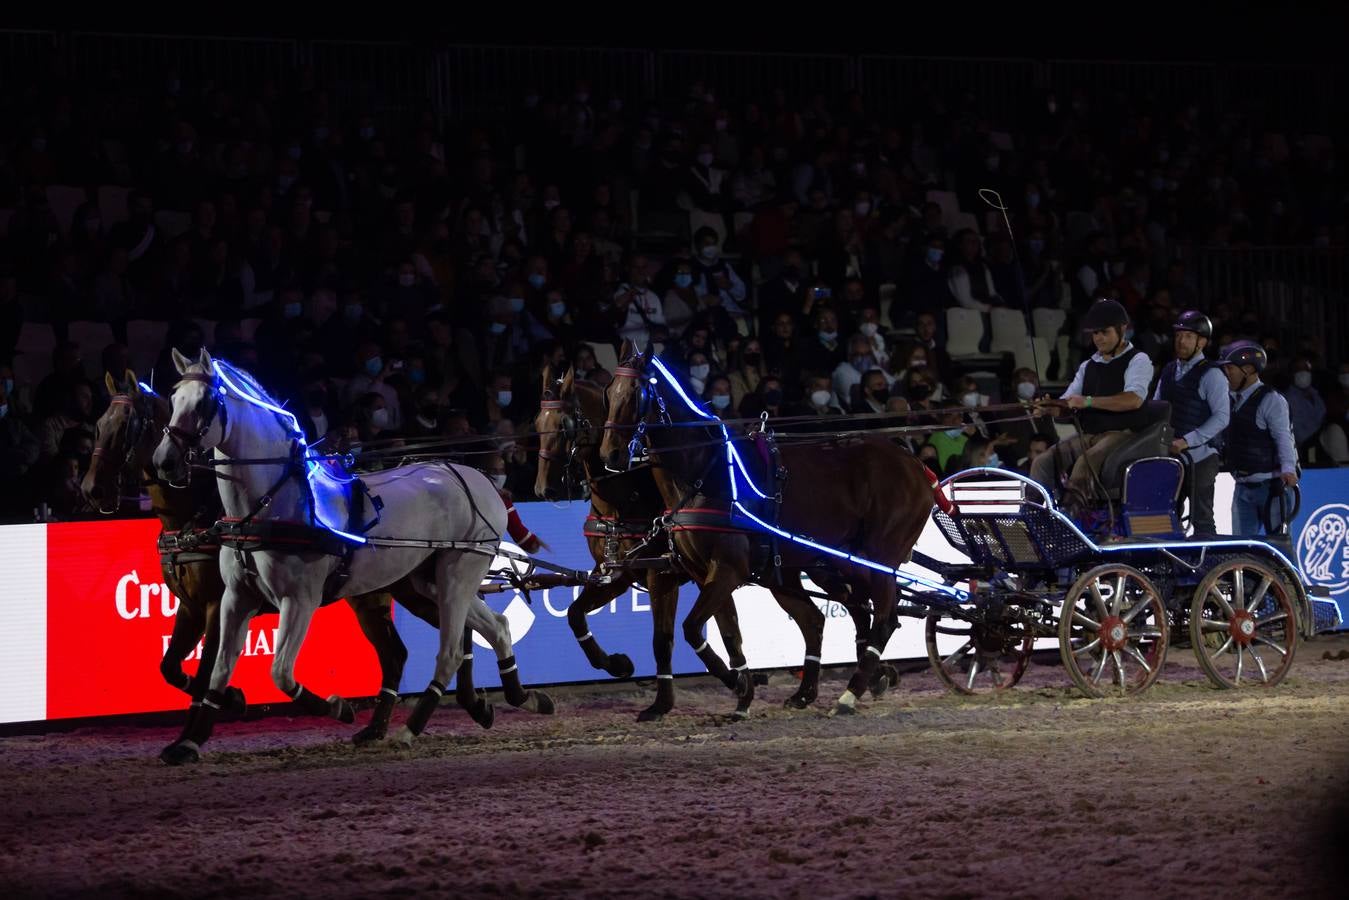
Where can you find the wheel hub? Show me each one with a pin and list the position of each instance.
(1114, 633)
(1242, 628)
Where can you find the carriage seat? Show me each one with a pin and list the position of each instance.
(1154, 439)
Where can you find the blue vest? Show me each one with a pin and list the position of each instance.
(1188, 409)
(1249, 449)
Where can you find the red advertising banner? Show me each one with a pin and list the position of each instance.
(110, 615)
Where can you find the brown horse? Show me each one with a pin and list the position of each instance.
(125, 438)
(622, 509)
(625, 503)
(866, 497)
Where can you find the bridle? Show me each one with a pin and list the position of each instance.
(189, 442)
(573, 423)
(646, 393)
(133, 432)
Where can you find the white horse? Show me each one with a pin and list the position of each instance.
(440, 526)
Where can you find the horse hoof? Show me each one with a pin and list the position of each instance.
(403, 737)
(368, 735)
(740, 714)
(843, 709)
(236, 704)
(744, 685)
(341, 710)
(879, 686)
(180, 753)
(620, 665)
(652, 714)
(483, 713)
(796, 701)
(539, 702)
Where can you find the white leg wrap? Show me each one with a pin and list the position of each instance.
(208, 702)
(742, 668)
(390, 691)
(814, 659)
(585, 637)
(665, 677)
(848, 699)
(875, 651)
(700, 648)
(435, 689)
(468, 657)
(510, 670)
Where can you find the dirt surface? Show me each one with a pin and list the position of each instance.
(1187, 791)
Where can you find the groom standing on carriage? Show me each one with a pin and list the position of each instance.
(1108, 390)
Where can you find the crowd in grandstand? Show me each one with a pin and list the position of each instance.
(794, 255)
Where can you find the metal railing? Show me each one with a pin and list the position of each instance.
(1299, 292)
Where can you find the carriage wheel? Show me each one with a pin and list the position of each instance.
(1113, 631)
(1243, 625)
(987, 658)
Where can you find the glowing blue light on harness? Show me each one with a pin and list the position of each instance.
(734, 460)
(315, 473)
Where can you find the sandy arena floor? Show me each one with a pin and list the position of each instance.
(1187, 791)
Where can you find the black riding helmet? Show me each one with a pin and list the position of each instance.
(1244, 353)
(1194, 320)
(1105, 314)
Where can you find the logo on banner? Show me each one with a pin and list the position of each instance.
(517, 612)
(1323, 549)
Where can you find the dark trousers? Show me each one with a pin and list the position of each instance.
(1199, 488)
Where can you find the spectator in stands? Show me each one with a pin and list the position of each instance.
(874, 393)
(317, 414)
(950, 442)
(1037, 446)
(496, 403)
(19, 452)
(1094, 272)
(847, 375)
(715, 276)
(372, 372)
(970, 280)
(718, 395)
(54, 391)
(819, 399)
(768, 398)
(587, 369)
(927, 288)
(824, 350)
(1306, 408)
(637, 309)
(749, 368)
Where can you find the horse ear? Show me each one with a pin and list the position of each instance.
(206, 363)
(180, 362)
(569, 382)
(111, 385)
(547, 377)
(132, 386)
(649, 352)
(627, 351)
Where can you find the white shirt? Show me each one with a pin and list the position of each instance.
(1136, 378)
(644, 301)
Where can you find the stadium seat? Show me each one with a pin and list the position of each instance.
(1048, 322)
(36, 338)
(1009, 330)
(964, 331)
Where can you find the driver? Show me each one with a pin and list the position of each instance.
(1109, 389)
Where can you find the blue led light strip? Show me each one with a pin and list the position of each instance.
(734, 462)
(314, 473)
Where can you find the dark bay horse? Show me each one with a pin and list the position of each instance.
(125, 438)
(622, 509)
(865, 496)
(568, 432)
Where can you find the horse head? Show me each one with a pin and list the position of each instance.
(198, 421)
(556, 427)
(628, 400)
(118, 443)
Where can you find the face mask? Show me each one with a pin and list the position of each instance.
(828, 336)
(353, 311)
(557, 309)
(1026, 390)
(721, 401)
(284, 182)
(862, 207)
(705, 160)
(417, 376)
(720, 125)
(367, 133)
(1036, 246)
(373, 366)
(700, 371)
(819, 398)
(863, 363)
(1032, 200)
(881, 394)
(499, 479)
(39, 144)
(1302, 379)
(709, 252)
(994, 461)
(379, 418)
(859, 168)
(4, 410)
(919, 362)
(497, 328)
(517, 304)
(970, 400)
(291, 310)
(9, 385)
(951, 432)
(752, 359)
(537, 281)
(934, 255)
(294, 152)
(184, 147)
(93, 225)
(683, 280)
(868, 328)
(407, 279)
(551, 205)
(919, 391)
(1344, 382)
(503, 398)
